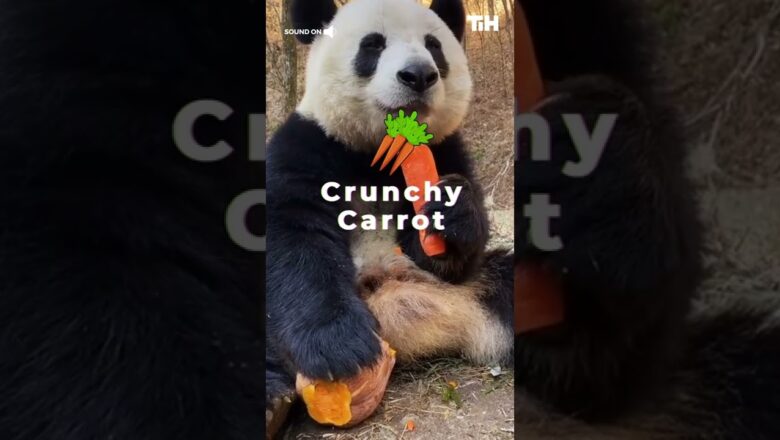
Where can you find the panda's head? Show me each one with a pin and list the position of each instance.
(384, 56)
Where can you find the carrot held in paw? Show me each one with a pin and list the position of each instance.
(538, 298)
(539, 301)
(405, 141)
(419, 168)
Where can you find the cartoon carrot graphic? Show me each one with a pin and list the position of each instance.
(403, 133)
(405, 141)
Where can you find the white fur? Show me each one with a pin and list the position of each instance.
(349, 108)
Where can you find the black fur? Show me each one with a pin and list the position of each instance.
(498, 275)
(434, 47)
(594, 37)
(466, 232)
(734, 363)
(367, 58)
(311, 14)
(126, 312)
(630, 262)
(317, 322)
(453, 13)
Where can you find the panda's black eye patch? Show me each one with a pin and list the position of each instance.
(432, 42)
(367, 58)
(434, 47)
(373, 41)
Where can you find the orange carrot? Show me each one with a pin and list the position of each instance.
(419, 168)
(382, 148)
(398, 142)
(538, 298)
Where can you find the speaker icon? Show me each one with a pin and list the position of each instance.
(329, 31)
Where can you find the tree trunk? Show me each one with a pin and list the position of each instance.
(508, 12)
(289, 61)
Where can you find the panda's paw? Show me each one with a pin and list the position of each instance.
(344, 342)
(465, 223)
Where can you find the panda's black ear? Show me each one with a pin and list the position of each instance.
(311, 14)
(453, 13)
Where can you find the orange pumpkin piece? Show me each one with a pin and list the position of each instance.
(347, 403)
(328, 402)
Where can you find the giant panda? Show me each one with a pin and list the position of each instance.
(331, 292)
(639, 354)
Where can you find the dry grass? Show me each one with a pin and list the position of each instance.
(723, 59)
(481, 406)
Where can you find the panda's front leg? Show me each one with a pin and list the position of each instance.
(465, 232)
(629, 258)
(316, 320)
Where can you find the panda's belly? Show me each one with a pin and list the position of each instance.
(419, 314)
(373, 248)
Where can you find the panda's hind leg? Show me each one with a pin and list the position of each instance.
(421, 316)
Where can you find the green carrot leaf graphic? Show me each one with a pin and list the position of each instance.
(408, 127)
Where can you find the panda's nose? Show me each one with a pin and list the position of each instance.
(418, 77)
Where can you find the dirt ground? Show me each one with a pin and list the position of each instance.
(722, 60)
(442, 399)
